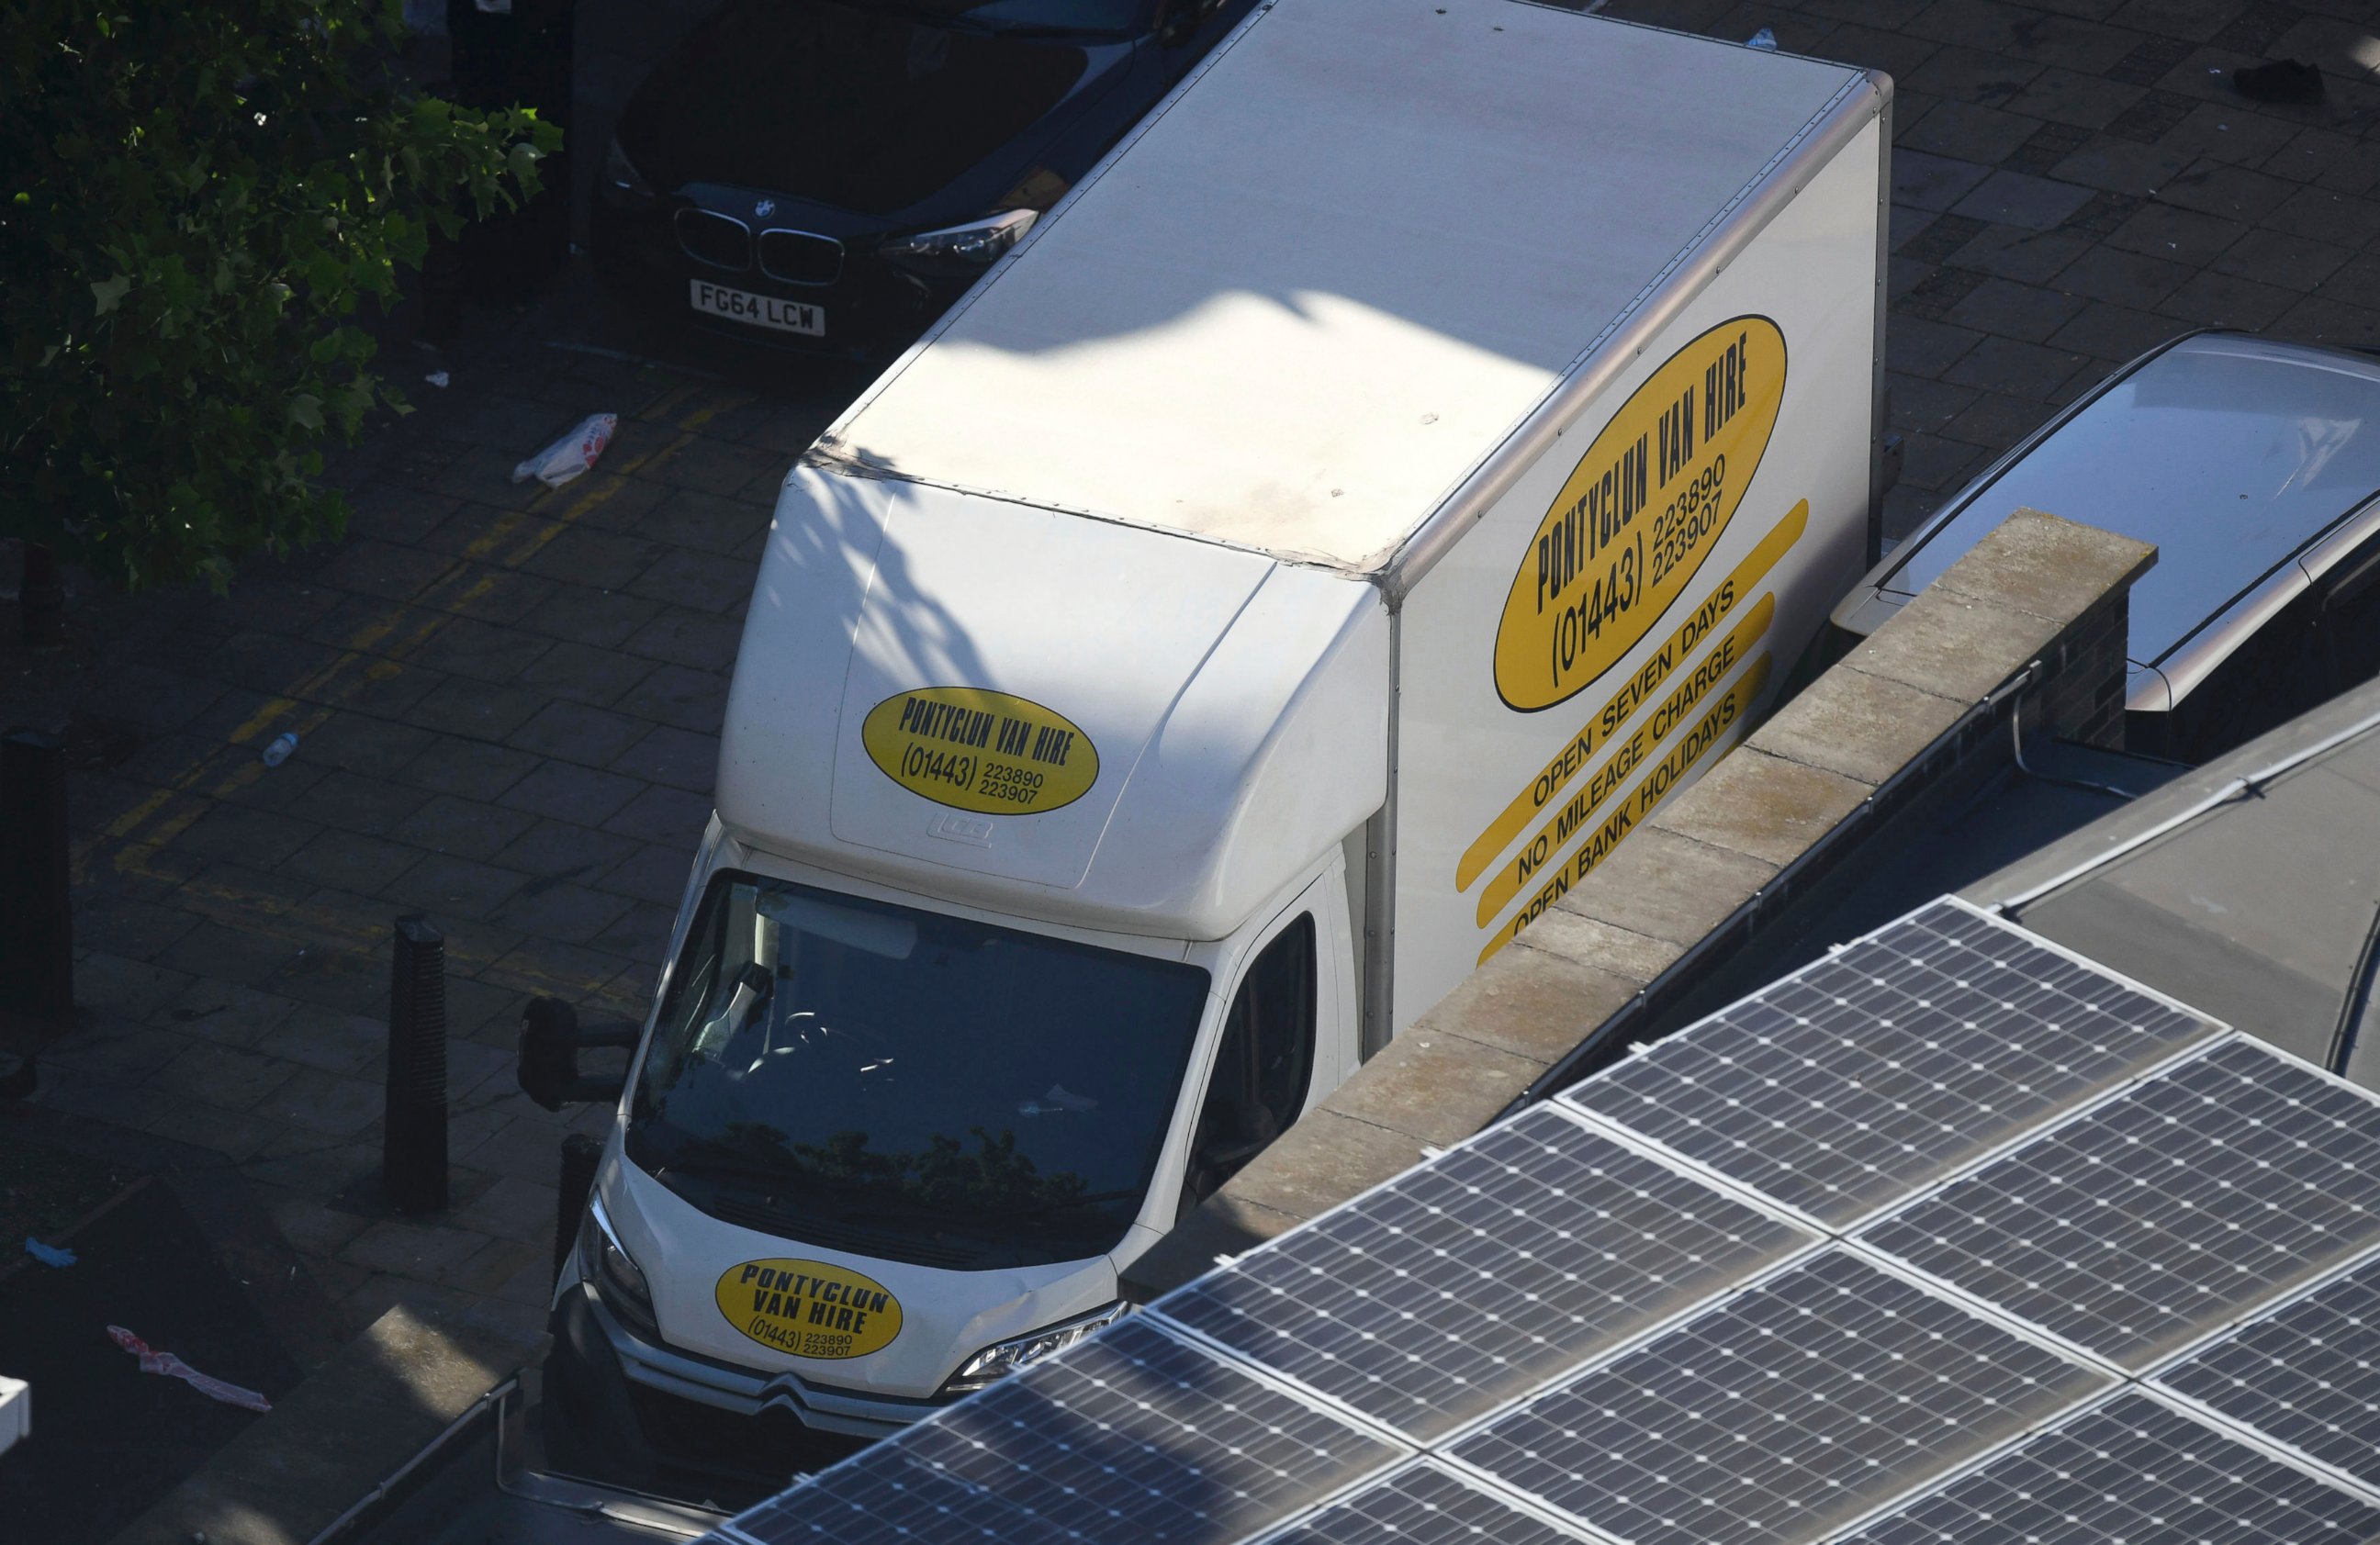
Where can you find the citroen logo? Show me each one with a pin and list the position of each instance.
(764, 209)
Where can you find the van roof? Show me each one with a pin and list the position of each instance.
(1335, 271)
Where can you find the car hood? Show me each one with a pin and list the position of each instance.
(865, 110)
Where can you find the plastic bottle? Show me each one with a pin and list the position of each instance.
(278, 752)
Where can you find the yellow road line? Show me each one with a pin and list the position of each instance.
(364, 650)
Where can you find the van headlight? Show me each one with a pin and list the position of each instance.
(1003, 1357)
(618, 1281)
(960, 249)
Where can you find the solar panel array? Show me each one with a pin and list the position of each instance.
(1948, 1237)
(1890, 1063)
(1468, 1280)
(1795, 1404)
(2181, 1202)
(2305, 1373)
(1423, 1504)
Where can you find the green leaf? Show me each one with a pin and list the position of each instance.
(189, 430)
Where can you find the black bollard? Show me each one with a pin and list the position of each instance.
(580, 1156)
(413, 1140)
(42, 598)
(36, 925)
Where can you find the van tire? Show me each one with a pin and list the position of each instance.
(590, 1425)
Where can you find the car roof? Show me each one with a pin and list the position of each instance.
(2231, 454)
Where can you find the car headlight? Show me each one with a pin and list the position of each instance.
(620, 177)
(1003, 1357)
(961, 248)
(617, 1280)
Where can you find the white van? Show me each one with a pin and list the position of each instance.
(1420, 448)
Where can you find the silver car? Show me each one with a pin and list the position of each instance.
(2254, 466)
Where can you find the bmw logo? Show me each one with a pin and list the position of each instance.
(764, 209)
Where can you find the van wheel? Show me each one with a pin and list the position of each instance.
(589, 1427)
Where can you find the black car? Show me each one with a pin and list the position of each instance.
(830, 175)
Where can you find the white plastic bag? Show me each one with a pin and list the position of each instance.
(572, 454)
(172, 1367)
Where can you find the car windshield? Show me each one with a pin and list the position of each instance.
(1027, 16)
(909, 1084)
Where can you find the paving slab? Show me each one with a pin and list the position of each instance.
(2099, 153)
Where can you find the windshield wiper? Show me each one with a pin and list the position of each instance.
(1091, 1199)
(1053, 29)
(748, 1169)
(790, 1188)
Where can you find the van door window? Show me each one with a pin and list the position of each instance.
(1263, 1065)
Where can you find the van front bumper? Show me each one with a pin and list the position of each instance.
(748, 1392)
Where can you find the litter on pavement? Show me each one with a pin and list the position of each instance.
(572, 454)
(48, 1255)
(2292, 81)
(438, 377)
(278, 751)
(172, 1367)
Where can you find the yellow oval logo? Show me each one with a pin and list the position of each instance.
(990, 751)
(1642, 510)
(809, 1308)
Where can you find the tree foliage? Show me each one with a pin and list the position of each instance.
(195, 201)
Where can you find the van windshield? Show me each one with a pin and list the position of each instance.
(900, 1083)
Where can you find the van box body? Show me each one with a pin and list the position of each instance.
(1419, 449)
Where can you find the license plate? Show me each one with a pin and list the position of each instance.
(760, 311)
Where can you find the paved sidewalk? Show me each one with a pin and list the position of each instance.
(2077, 180)
(509, 698)
(508, 701)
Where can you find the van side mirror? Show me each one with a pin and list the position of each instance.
(1183, 19)
(1241, 1130)
(1251, 1132)
(551, 1039)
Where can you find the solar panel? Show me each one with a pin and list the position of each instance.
(1484, 1272)
(1883, 1067)
(2305, 1373)
(1587, 1324)
(1788, 1409)
(2165, 1212)
(1421, 1505)
(2133, 1471)
(1134, 1437)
